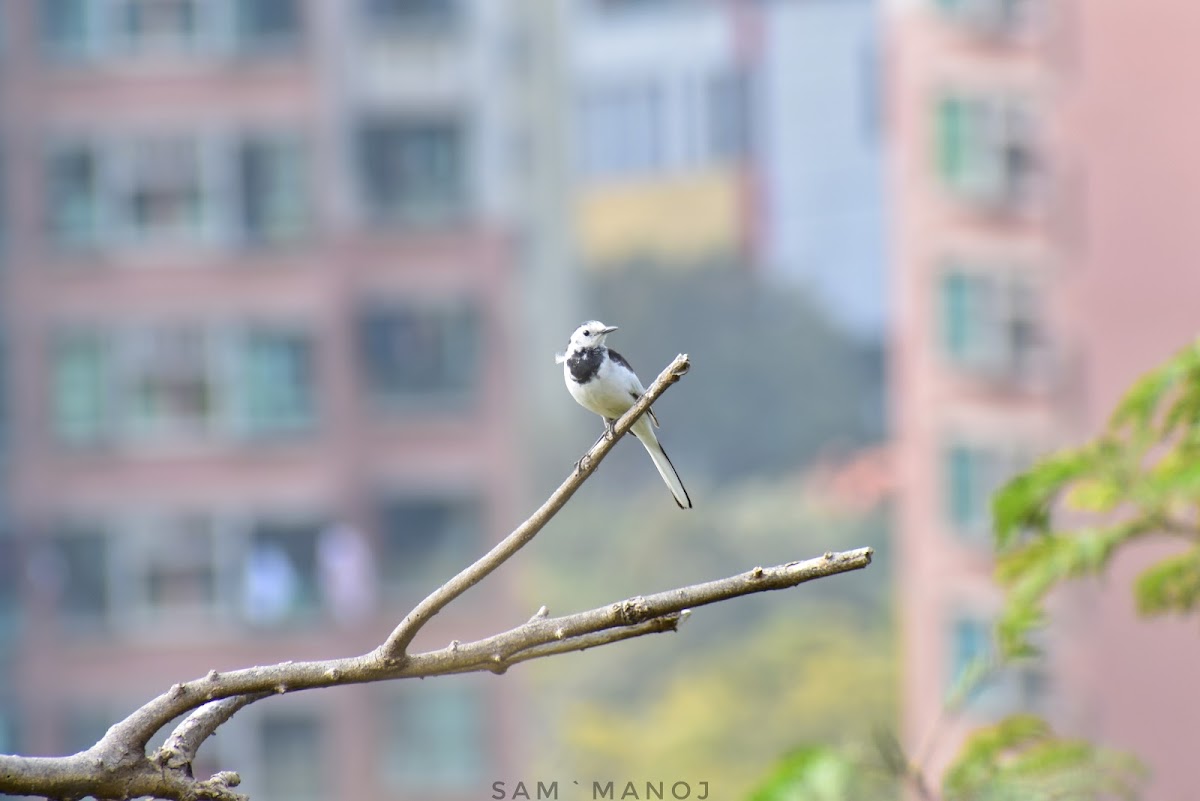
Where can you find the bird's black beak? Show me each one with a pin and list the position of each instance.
(608, 330)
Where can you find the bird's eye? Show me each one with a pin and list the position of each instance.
(587, 333)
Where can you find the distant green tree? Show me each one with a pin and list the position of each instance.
(775, 381)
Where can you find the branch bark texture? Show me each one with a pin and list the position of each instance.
(118, 766)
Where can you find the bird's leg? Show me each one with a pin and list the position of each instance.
(610, 433)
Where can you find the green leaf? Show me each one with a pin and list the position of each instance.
(1184, 411)
(977, 763)
(1023, 504)
(818, 773)
(1139, 405)
(1097, 495)
(1031, 571)
(1172, 585)
(1020, 758)
(1175, 477)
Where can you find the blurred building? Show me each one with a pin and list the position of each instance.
(256, 270)
(731, 133)
(1044, 258)
(660, 96)
(820, 143)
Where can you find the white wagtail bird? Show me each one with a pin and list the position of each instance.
(601, 381)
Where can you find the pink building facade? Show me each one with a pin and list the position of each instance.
(255, 285)
(1043, 184)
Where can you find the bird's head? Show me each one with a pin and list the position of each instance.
(589, 335)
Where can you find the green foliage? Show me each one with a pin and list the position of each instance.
(1172, 585)
(1020, 759)
(1066, 518)
(1069, 514)
(819, 773)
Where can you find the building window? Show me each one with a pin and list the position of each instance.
(422, 14)
(94, 29)
(971, 475)
(272, 189)
(292, 752)
(266, 24)
(434, 738)
(162, 194)
(991, 17)
(621, 130)
(420, 356)
(11, 565)
(68, 26)
(280, 572)
(973, 653)
(623, 6)
(156, 385)
(5, 417)
(413, 171)
(174, 569)
(4, 207)
(993, 325)
(986, 150)
(729, 115)
(81, 378)
(10, 725)
(74, 194)
(988, 686)
(146, 190)
(81, 556)
(424, 539)
(148, 25)
(275, 383)
(167, 385)
(177, 188)
(188, 568)
(84, 724)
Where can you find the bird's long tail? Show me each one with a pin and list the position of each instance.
(665, 469)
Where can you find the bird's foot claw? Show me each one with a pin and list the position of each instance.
(610, 429)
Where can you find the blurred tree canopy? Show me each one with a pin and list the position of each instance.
(775, 381)
(742, 683)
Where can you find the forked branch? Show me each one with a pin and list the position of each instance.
(119, 767)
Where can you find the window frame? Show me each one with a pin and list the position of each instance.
(460, 387)
(1001, 460)
(466, 526)
(998, 301)
(395, 710)
(385, 197)
(988, 151)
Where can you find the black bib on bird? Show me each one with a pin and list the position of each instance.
(585, 364)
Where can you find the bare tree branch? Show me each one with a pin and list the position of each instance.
(118, 766)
